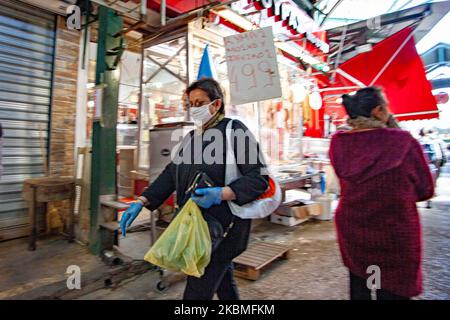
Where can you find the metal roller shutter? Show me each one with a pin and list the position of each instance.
(27, 41)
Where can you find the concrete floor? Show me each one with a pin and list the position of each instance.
(22, 271)
(314, 270)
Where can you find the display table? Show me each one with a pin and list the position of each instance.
(296, 182)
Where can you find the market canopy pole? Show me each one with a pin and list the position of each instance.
(103, 174)
(350, 77)
(338, 58)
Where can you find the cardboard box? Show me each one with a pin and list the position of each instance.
(286, 221)
(300, 209)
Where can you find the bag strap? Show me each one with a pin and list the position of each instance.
(230, 142)
(186, 139)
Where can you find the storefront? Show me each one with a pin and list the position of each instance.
(27, 44)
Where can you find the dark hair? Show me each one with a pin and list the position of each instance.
(212, 89)
(363, 102)
(422, 132)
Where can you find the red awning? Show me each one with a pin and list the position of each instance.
(394, 65)
(177, 7)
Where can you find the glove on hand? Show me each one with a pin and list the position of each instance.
(207, 197)
(129, 216)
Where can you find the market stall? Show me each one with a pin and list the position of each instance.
(280, 123)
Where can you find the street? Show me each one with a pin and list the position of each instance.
(229, 122)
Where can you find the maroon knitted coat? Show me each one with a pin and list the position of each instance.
(382, 173)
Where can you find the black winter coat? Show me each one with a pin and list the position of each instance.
(249, 187)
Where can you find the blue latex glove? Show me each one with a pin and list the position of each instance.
(207, 197)
(322, 183)
(129, 216)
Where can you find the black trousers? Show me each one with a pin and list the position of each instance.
(359, 291)
(218, 278)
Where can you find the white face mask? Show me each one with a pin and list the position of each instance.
(201, 115)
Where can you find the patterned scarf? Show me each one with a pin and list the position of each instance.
(212, 122)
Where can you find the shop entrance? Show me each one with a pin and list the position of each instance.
(164, 79)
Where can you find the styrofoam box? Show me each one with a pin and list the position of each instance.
(286, 221)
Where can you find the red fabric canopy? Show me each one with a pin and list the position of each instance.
(403, 79)
(177, 7)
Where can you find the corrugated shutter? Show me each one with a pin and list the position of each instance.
(27, 41)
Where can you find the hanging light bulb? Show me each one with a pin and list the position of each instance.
(134, 98)
(315, 100)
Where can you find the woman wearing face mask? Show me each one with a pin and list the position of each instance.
(206, 108)
(383, 173)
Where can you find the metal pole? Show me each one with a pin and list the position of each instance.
(163, 12)
(103, 168)
(141, 111)
(330, 12)
(338, 58)
(143, 9)
(300, 132)
(350, 77)
(258, 110)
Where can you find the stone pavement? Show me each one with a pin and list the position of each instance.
(314, 270)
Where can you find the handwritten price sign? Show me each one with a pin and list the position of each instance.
(252, 66)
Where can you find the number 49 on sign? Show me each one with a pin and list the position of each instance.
(249, 76)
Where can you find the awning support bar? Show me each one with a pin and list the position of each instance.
(392, 58)
(350, 77)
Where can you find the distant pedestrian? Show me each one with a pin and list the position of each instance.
(439, 146)
(429, 150)
(382, 173)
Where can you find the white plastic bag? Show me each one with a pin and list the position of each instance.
(265, 204)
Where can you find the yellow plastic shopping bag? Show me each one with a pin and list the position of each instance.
(185, 245)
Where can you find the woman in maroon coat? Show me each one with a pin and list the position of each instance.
(383, 173)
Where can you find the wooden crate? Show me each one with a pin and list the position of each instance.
(260, 254)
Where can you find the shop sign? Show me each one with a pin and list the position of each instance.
(252, 66)
(284, 11)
